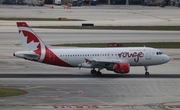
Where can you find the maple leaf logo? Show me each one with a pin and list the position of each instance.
(30, 42)
(31, 45)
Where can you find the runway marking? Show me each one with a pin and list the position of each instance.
(169, 105)
(174, 106)
(175, 58)
(163, 106)
(77, 106)
(40, 97)
(33, 87)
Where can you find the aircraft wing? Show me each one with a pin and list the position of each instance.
(106, 60)
(94, 63)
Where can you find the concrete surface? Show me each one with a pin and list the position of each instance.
(51, 87)
(59, 36)
(108, 15)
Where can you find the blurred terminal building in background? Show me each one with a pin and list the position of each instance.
(161, 3)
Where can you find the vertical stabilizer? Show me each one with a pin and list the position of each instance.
(30, 40)
(35, 49)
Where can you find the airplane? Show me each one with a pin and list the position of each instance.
(117, 59)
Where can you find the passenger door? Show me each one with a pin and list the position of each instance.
(148, 54)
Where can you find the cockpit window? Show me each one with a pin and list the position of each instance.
(159, 53)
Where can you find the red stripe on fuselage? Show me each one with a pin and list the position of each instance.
(51, 58)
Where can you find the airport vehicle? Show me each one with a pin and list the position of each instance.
(57, 2)
(67, 6)
(118, 60)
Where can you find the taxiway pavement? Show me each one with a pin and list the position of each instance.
(61, 36)
(109, 15)
(51, 87)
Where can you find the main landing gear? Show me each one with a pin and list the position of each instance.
(146, 68)
(97, 73)
(93, 71)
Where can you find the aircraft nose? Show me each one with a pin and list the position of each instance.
(167, 58)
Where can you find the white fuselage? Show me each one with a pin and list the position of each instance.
(136, 56)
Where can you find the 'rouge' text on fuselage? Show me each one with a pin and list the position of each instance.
(135, 55)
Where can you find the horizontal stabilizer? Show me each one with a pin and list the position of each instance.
(27, 55)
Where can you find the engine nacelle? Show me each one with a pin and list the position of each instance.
(121, 68)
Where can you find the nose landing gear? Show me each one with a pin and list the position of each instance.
(146, 68)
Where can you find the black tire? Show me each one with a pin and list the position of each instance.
(93, 71)
(147, 73)
(98, 73)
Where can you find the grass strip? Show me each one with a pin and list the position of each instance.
(37, 19)
(132, 44)
(167, 28)
(4, 92)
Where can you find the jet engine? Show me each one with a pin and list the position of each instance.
(121, 68)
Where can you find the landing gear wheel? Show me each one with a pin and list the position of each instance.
(93, 71)
(98, 73)
(146, 68)
(147, 73)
